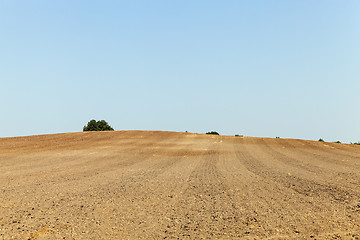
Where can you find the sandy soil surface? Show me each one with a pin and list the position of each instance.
(166, 185)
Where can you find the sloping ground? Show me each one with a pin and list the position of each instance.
(165, 185)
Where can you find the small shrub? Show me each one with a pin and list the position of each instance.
(337, 142)
(277, 137)
(213, 133)
(237, 135)
(321, 140)
(355, 143)
(94, 125)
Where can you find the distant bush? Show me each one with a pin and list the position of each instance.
(321, 140)
(337, 142)
(213, 132)
(277, 137)
(94, 125)
(355, 143)
(237, 135)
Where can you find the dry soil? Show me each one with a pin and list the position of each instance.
(166, 185)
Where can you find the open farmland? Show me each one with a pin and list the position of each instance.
(167, 185)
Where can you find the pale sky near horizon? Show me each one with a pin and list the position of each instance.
(257, 68)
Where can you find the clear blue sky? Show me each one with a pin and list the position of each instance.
(258, 68)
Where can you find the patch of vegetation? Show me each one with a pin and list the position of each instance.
(277, 137)
(94, 125)
(213, 133)
(337, 142)
(237, 135)
(355, 143)
(321, 140)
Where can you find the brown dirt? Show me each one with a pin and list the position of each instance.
(166, 185)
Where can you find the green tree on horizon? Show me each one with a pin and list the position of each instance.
(94, 125)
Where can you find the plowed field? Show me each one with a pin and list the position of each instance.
(166, 185)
